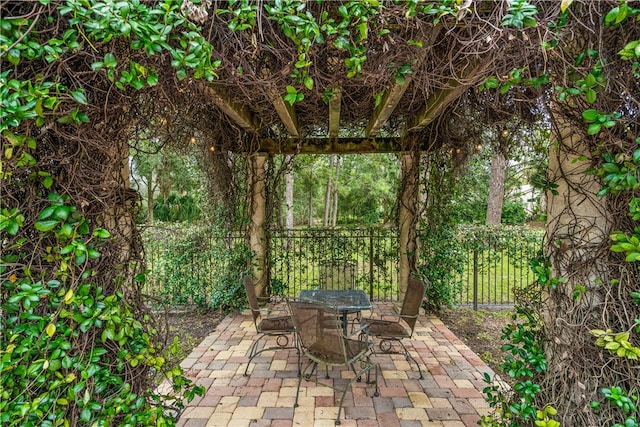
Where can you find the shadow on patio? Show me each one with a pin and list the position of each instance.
(449, 395)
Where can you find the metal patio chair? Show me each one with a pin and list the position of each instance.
(321, 338)
(281, 327)
(394, 328)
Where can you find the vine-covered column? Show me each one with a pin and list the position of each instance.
(408, 220)
(257, 240)
(578, 226)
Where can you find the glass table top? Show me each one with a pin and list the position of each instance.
(352, 299)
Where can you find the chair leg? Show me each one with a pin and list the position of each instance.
(376, 393)
(252, 354)
(300, 376)
(408, 356)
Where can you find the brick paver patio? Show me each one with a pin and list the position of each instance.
(449, 395)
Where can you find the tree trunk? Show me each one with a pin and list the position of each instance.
(334, 211)
(327, 194)
(496, 187)
(289, 193)
(310, 222)
(149, 179)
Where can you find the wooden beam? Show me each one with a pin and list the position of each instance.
(393, 95)
(287, 114)
(237, 112)
(334, 113)
(334, 145)
(441, 98)
(383, 111)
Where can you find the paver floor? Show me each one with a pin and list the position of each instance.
(449, 395)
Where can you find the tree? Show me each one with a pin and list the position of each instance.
(289, 192)
(168, 177)
(496, 182)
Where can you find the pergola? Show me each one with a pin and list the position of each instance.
(396, 102)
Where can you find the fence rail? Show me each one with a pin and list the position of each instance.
(363, 258)
(188, 265)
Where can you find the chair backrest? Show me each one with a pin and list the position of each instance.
(319, 330)
(412, 301)
(337, 273)
(252, 297)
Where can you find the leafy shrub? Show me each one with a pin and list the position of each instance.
(49, 319)
(442, 260)
(195, 265)
(513, 212)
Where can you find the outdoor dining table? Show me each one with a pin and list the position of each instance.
(345, 300)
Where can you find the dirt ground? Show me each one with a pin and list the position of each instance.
(480, 330)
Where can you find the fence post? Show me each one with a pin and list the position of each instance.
(371, 263)
(475, 280)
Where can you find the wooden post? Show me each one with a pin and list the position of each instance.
(257, 213)
(407, 221)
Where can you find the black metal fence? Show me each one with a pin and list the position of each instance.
(188, 265)
(363, 258)
(492, 275)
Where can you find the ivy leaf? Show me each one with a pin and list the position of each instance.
(47, 182)
(589, 115)
(85, 415)
(594, 128)
(45, 225)
(308, 82)
(152, 79)
(590, 95)
(564, 5)
(101, 233)
(46, 212)
(110, 60)
(50, 329)
(79, 96)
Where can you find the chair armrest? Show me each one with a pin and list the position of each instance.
(362, 330)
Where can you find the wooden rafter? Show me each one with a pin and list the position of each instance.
(440, 99)
(393, 95)
(383, 111)
(287, 114)
(334, 113)
(237, 112)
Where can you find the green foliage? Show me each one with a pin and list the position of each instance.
(617, 344)
(525, 361)
(228, 287)
(597, 121)
(520, 14)
(47, 317)
(190, 265)
(541, 266)
(442, 260)
(367, 188)
(621, 172)
(617, 398)
(513, 212)
(176, 209)
(345, 25)
(153, 27)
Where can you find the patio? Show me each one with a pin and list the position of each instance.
(449, 395)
